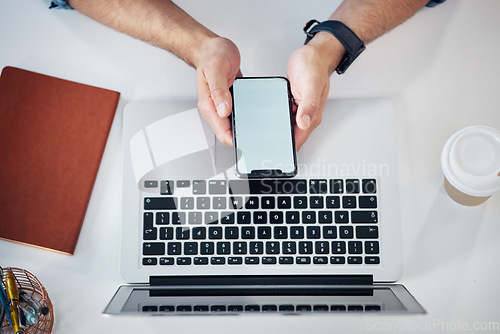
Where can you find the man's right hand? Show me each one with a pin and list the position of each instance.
(217, 66)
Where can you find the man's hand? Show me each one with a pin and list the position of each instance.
(217, 66)
(309, 69)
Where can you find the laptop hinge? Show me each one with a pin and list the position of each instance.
(262, 280)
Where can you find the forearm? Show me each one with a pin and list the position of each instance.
(369, 19)
(159, 22)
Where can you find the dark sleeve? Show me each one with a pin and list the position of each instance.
(60, 4)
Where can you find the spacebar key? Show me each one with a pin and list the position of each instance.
(160, 203)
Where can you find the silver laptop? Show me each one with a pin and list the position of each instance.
(198, 240)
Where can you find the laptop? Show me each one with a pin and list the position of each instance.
(198, 240)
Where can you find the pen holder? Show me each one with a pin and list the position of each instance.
(27, 282)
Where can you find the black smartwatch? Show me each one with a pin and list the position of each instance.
(352, 43)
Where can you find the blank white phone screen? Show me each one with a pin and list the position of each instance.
(262, 125)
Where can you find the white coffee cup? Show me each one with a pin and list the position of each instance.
(471, 164)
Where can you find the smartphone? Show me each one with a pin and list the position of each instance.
(263, 139)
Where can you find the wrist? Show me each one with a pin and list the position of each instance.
(329, 48)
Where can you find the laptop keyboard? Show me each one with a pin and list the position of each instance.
(260, 222)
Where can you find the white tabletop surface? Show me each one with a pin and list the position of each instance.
(441, 70)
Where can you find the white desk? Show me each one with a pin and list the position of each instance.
(440, 69)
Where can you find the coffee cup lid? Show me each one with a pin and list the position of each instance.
(471, 160)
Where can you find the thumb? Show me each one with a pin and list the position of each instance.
(305, 112)
(218, 85)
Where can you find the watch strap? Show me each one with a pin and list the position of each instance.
(351, 42)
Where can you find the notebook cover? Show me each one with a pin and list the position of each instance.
(52, 137)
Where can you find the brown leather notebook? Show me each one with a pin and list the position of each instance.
(52, 137)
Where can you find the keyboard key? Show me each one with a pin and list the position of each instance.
(284, 202)
(231, 232)
(346, 232)
(149, 261)
(150, 233)
(355, 308)
(199, 187)
(234, 260)
(211, 217)
(297, 232)
(303, 260)
(267, 202)
(338, 308)
(276, 217)
(305, 247)
(308, 217)
(369, 186)
(289, 247)
(190, 248)
(162, 218)
(217, 260)
(355, 247)
(153, 248)
(349, 202)
(150, 184)
(267, 187)
(264, 232)
(252, 308)
(369, 217)
(183, 261)
(287, 308)
(325, 217)
(256, 247)
(178, 218)
(199, 233)
(248, 232)
(292, 217)
(252, 202)
(200, 261)
(200, 308)
(235, 308)
(218, 308)
(166, 187)
(280, 232)
(182, 233)
(268, 260)
(352, 186)
(372, 260)
(215, 233)
(173, 248)
(166, 261)
(316, 202)
(183, 183)
(300, 202)
(313, 232)
(166, 233)
(167, 308)
(187, 203)
(286, 260)
(227, 217)
(366, 232)
(371, 247)
(184, 308)
(236, 203)
(321, 247)
(260, 217)
(160, 203)
(341, 217)
(320, 260)
(337, 186)
(318, 186)
(223, 248)
(269, 308)
(207, 248)
(367, 202)
(195, 218)
(354, 259)
(148, 220)
(272, 247)
(240, 247)
(329, 232)
(321, 308)
(252, 260)
(337, 260)
(148, 308)
(304, 308)
(217, 187)
(333, 202)
(371, 308)
(243, 217)
(219, 203)
(203, 203)
(338, 247)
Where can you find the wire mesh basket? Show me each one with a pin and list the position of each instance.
(28, 283)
